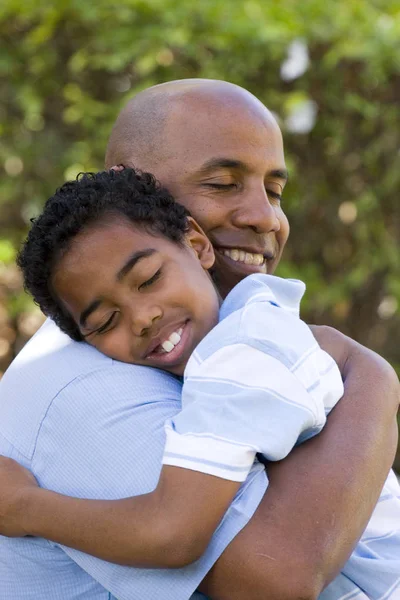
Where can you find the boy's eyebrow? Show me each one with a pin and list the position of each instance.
(88, 311)
(124, 270)
(131, 262)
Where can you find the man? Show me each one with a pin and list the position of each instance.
(91, 427)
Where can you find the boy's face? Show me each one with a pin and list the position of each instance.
(139, 298)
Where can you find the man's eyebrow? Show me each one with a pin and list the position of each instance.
(229, 163)
(280, 174)
(130, 263)
(222, 163)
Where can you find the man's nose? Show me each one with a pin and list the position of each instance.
(257, 212)
(143, 318)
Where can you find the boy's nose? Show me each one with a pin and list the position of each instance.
(144, 319)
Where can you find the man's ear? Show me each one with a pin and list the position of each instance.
(196, 239)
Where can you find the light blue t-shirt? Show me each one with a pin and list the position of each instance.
(91, 427)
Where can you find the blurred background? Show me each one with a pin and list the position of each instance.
(330, 71)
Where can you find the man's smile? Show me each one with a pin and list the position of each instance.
(244, 260)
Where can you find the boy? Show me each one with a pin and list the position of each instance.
(115, 261)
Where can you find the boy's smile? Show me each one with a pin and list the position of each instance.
(138, 297)
(167, 349)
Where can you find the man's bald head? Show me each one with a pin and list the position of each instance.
(141, 136)
(219, 152)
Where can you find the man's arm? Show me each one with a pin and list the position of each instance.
(322, 495)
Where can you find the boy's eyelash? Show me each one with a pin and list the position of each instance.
(106, 325)
(151, 280)
(109, 321)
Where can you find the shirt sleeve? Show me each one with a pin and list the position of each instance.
(263, 394)
(103, 437)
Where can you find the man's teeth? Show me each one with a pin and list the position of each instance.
(172, 341)
(248, 258)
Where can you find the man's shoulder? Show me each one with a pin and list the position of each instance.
(53, 375)
(48, 363)
(49, 343)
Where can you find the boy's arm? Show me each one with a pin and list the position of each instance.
(299, 484)
(322, 495)
(223, 428)
(169, 527)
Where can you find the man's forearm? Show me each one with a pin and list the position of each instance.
(320, 497)
(351, 460)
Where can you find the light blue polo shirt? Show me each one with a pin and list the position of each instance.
(91, 427)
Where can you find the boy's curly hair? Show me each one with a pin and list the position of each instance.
(92, 197)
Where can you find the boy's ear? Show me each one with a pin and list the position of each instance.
(199, 242)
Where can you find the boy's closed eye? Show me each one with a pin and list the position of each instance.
(151, 279)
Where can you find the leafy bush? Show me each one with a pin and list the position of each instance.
(330, 72)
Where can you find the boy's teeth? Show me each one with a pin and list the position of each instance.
(172, 341)
(248, 258)
(174, 338)
(168, 346)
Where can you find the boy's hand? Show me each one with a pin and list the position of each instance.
(15, 484)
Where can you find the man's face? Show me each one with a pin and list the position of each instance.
(139, 298)
(226, 165)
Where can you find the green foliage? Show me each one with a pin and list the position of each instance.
(67, 66)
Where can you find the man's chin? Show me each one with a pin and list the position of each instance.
(227, 273)
(226, 281)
